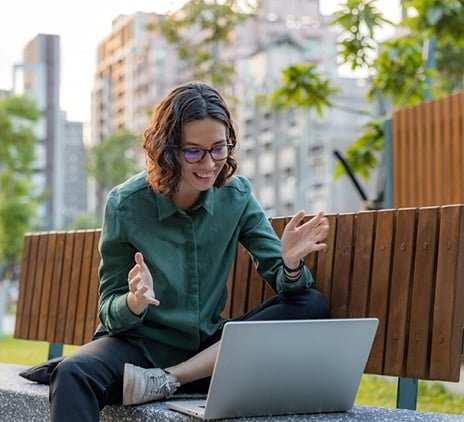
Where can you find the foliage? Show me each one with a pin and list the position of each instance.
(114, 160)
(85, 221)
(403, 81)
(438, 18)
(358, 20)
(449, 63)
(18, 199)
(215, 22)
(442, 21)
(364, 153)
(398, 71)
(302, 87)
(401, 72)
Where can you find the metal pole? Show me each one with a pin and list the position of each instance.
(2, 305)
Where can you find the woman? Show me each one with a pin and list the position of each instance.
(168, 241)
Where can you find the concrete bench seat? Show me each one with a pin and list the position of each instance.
(26, 401)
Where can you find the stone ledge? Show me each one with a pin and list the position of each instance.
(22, 400)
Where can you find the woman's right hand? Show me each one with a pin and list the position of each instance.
(141, 289)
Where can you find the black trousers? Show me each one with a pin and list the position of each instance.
(92, 377)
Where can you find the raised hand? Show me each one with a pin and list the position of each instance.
(299, 240)
(141, 289)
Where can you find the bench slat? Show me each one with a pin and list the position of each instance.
(239, 290)
(423, 290)
(256, 288)
(74, 281)
(362, 264)
(380, 287)
(43, 296)
(83, 288)
(324, 262)
(449, 297)
(343, 256)
(52, 292)
(42, 264)
(24, 276)
(92, 321)
(63, 304)
(403, 249)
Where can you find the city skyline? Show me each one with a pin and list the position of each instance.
(80, 27)
(80, 30)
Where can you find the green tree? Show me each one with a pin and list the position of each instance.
(359, 20)
(202, 28)
(443, 21)
(85, 221)
(400, 72)
(18, 199)
(302, 86)
(112, 161)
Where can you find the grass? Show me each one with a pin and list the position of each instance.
(26, 352)
(373, 390)
(431, 397)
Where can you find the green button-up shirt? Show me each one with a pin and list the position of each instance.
(189, 254)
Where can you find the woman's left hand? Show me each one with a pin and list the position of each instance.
(299, 240)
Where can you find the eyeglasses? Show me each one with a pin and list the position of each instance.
(196, 154)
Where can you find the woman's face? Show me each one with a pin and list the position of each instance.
(199, 135)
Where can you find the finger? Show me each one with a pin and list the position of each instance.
(133, 284)
(139, 258)
(141, 262)
(142, 290)
(142, 293)
(319, 247)
(317, 219)
(154, 301)
(130, 275)
(295, 220)
(318, 224)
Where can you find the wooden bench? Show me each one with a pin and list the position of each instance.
(403, 266)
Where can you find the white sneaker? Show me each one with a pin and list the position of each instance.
(144, 385)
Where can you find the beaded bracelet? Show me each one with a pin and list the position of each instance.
(294, 270)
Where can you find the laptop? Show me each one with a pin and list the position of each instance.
(285, 367)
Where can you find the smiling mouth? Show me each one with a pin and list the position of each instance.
(204, 176)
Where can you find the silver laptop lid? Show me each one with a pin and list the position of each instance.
(289, 367)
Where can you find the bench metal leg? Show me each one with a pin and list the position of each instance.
(407, 393)
(55, 350)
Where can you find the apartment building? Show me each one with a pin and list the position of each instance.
(60, 151)
(287, 156)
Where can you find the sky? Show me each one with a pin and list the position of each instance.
(81, 26)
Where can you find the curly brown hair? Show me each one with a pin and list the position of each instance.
(162, 138)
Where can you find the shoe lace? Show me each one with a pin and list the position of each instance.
(160, 384)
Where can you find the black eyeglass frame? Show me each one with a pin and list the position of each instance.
(205, 150)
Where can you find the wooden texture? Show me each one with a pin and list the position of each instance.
(58, 287)
(403, 266)
(427, 153)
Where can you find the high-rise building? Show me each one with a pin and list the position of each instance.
(288, 156)
(60, 151)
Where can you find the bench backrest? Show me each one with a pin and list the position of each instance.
(404, 266)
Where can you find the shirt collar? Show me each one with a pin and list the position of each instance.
(166, 207)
